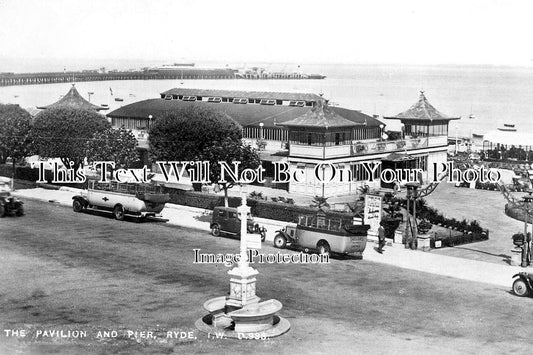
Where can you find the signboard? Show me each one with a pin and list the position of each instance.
(373, 212)
(253, 241)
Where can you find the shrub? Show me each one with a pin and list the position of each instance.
(390, 224)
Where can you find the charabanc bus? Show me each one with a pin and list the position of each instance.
(140, 201)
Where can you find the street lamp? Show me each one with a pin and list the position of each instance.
(149, 121)
(456, 138)
(381, 126)
(260, 142)
(526, 248)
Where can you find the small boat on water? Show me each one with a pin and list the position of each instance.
(507, 127)
(119, 99)
(104, 105)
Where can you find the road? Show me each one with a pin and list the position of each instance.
(66, 271)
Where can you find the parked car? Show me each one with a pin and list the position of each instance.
(523, 284)
(226, 221)
(9, 205)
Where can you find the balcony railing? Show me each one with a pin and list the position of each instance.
(358, 148)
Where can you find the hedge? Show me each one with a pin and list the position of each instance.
(32, 174)
(464, 238)
(264, 209)
(516, 213)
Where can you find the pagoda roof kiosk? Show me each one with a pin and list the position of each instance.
(73, 99)
(422, 119)
(320, 133)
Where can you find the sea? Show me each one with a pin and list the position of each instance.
(485, 97)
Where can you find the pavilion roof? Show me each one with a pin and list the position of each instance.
(73, 99)
(321, 116)
(423, 111)
(247, 115)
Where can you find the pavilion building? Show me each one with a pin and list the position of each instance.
(304, 131)
(321, 139)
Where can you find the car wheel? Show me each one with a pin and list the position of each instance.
(77, 206)
(280, 241)
(20, 211)
(520, 288)
(118, 212)
(323, 248)
(215, 230)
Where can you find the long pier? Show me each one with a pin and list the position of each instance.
(11, 79)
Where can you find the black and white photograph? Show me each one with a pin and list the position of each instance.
(266, 177)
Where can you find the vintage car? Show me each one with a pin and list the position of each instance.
(140, 201)
(9, 205)
(326, 236)
(225, 220)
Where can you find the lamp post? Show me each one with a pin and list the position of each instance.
(456, 139)
(412, 195)
(471, 131)
(149, 121)
(526, 249)
(90, 93)
(381, 126)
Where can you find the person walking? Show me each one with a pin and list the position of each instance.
(381, 238)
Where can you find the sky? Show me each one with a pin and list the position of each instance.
(284, 31)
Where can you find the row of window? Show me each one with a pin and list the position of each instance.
(240, 100)
(129, 123)
(274, 134)
(427, 130)
(330, 138)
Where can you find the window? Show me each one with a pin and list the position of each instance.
(297, 103)
(168, 97)
(222, 213)
(216, 100)
(189, 98)
(267, 102)
(233, 215)
(240, 101)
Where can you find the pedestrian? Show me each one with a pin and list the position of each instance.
(381, 238)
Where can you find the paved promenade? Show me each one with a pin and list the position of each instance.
(397, 255)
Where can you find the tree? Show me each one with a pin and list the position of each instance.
(319, 202)
(196, 133)
(184, 134)
(15, 128)
(65, 132)
(229, 152)
(118, 145)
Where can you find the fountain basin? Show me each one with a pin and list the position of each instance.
(255, 317)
